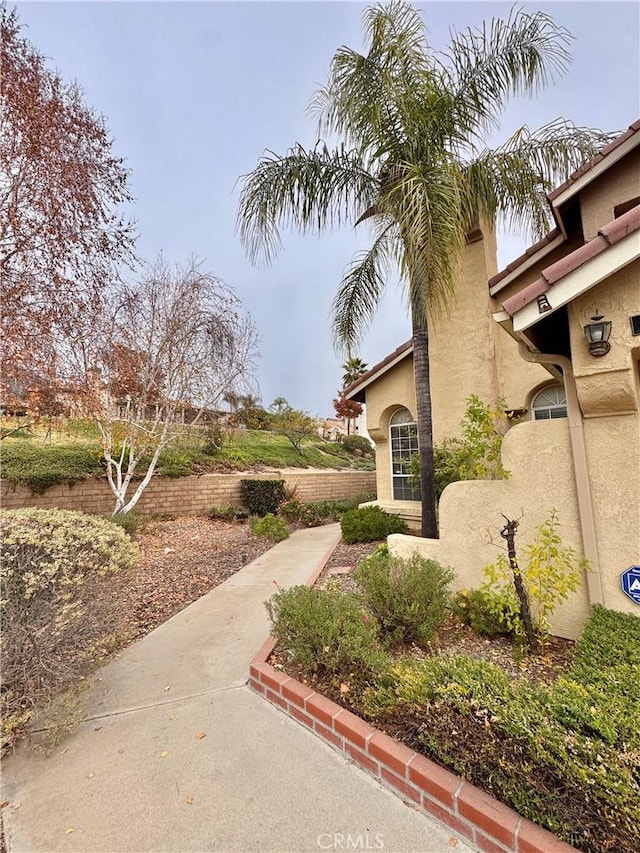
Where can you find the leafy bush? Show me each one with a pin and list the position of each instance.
(369, 523)
(550, 571)
(130, 522)
(228, 513)
(62, 573)
(490, 614)
(328, 633)
(299, 512)
(408, 597)
(475, 455)
(357, 444)
(262, 496)
(271, 527)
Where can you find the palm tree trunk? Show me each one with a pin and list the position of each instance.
(429, 529)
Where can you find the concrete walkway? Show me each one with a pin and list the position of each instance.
(177, 754)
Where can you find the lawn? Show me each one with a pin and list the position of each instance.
(73, 453)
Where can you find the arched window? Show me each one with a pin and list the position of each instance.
(549, 403)
(403, 434)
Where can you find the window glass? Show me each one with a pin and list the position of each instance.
(403, 435)
(549, 403)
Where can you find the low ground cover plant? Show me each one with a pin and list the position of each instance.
(61, 611)
(369, 524)
(228, 513)
(74, 453)
(578, 739)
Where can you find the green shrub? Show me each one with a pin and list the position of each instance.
(228, 513)
(475, 455)
(63, 575)
(130, 522)
(271, 527)
(369, 523)
(333, 510)
(327, 632)
(297, 511)
(408, 597)
(40, 467)
(175, 462)
(490, 614)
(357, 444)
(262, 496)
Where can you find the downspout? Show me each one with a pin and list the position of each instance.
(580, 467)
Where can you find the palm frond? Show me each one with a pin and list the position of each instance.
(309, 190)
(501, 59)
(428, 206)
(512, 182)
(361, 289)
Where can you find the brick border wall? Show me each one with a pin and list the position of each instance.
(475, 816)
(188, 495)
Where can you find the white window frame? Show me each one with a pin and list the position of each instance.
(551, 408)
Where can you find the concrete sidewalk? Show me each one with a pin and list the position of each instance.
(177, 754)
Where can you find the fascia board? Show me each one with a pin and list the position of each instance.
(582, 279)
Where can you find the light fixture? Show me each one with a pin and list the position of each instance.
(597, 333)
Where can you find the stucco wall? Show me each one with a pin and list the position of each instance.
(462, 354)
(189, 495)
(538, 454)
(608, 384)
(620, 183)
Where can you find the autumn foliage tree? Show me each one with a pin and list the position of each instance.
(63, 230)
(347, 409)
(174, 345)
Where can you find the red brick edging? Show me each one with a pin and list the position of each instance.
(471, 813)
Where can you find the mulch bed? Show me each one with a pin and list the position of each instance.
(183, 559)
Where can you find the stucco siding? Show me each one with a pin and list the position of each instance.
(608, 384)
(619, 184)
(538, 455)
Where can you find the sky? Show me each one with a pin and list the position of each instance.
(194, 93)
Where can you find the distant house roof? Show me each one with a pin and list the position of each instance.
(588, 172)
(355, 391)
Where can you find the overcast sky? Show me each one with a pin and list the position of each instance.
(193, 93)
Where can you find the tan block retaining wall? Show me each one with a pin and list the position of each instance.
(472, 814)
(189, 495)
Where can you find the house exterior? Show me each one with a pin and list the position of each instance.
(519, 334)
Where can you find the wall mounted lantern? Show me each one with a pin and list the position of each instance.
(597, 333)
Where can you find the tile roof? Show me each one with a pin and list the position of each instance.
(586, 167)
(380, 367)
(543, 245)
(540, 246)
(607, 236)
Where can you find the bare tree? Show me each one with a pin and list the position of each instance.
(63, 233)
(172, 348)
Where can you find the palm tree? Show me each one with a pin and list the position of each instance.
(412, 159)
(353, 368)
